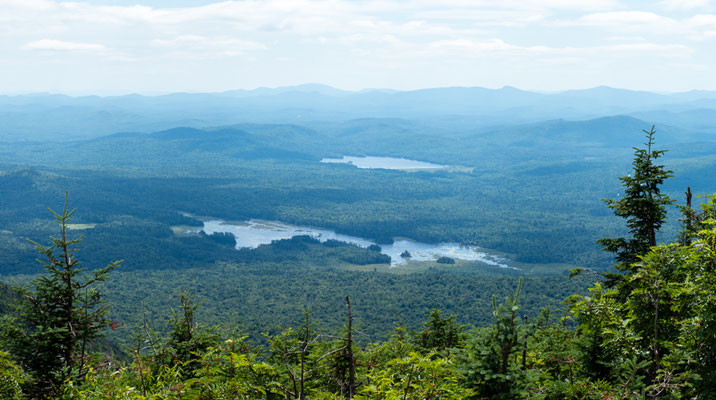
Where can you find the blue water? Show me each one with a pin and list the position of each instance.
(252, 233)
(384, 163)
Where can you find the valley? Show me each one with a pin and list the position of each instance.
(498, 198)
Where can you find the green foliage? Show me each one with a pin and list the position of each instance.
(9, 388)
(231, 371)
(61, 316)
(224, 238)
(652, 336)
(643, 205)
(697, 341)
(583, 389)
(8, 299)
(491, 357)
(11, 378)
(445, 260)
(188, 339)
(298, 356)
(412, 377)
(440, 333)
(599, 327)
(262, 296)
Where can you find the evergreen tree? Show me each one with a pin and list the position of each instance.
(643, 206)
(440, 333)
(296, 353)
(188, 339)
(689, 220)
(60, 315)
(491, 361)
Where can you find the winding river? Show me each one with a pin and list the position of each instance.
(252, 233)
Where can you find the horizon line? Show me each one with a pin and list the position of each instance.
(119, 93)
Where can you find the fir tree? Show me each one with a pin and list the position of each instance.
(643, 206)
(491, 360)
(61, 313)
(187, 338)
(440, 333)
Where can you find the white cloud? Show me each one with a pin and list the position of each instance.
(305, 17)
(526, 5)
(59, 45)
(583, 5)
(703, 20)
(672, 5)
(196, 45)
(10, 5)
(490, 45)
(482, 17)
(697, 27)
(628, 21)
(352, 35)
(50, 46)
(463, 47)
(636, 49)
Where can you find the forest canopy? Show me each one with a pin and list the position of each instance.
(647, 330)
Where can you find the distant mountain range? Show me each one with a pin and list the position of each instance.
(40, 117)
(509, 147)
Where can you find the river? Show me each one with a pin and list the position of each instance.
(252, 233)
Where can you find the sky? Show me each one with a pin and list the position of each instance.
(125, 46)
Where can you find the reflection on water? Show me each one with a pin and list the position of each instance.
(253, 233)
(384, 163)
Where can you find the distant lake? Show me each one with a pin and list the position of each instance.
(252, 233)
(385, 163)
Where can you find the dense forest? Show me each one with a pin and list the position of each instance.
(129, 183)
(645, 328)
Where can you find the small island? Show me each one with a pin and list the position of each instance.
(445, 260)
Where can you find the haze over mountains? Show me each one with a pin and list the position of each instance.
(537, 162)
(52, 117)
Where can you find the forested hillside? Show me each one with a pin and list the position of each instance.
(645, 330)
(273, 172)
(526, 191)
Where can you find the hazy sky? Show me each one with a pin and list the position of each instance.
(105, 46)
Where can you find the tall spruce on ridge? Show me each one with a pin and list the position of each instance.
(643, 206)
(61, 315)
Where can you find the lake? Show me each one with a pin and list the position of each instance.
(253, 233)
(385, 163)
